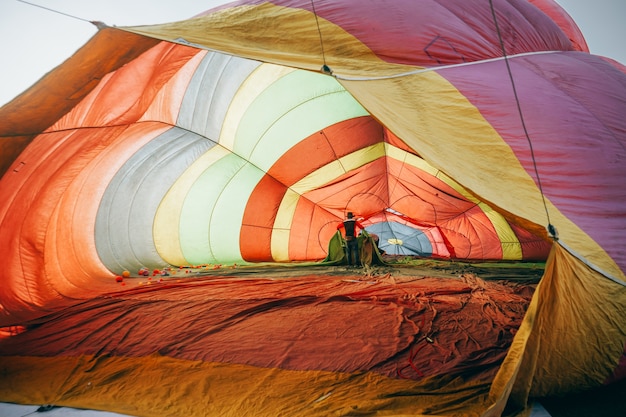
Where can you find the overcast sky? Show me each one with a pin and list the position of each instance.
(33, 40)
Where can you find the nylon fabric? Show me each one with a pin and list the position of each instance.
(220, 140)
(145, 178)
(167, 233)
(258, 80)
(525, 372)
(283, 321)
(428, 88)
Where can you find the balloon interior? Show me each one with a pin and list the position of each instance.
(172, 202)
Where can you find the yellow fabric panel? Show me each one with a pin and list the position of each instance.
(564, 346)
(511, 248)
(166, 232)
(256, 83)
(260, 32)
(418, 162)
(193, 388)
(282, 226)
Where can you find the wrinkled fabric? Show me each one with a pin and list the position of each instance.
(405, 332)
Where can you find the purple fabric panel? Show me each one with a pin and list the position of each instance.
(574, 109)
(439, 32)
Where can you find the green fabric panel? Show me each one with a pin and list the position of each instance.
(336, 250)
(227, 216)
(293, 108)
(199, 209)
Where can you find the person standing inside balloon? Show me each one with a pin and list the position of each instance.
(350, 226)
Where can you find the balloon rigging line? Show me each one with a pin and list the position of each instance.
(439, 68)
(56, 11)
(325, 68)
(328, 71)
(591, 265)
(550, 227)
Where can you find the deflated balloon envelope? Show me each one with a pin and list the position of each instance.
(220, 140)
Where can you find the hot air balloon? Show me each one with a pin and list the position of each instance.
(473, 131)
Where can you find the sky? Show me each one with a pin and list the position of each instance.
(34, 40)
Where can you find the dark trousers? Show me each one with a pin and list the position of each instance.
(352, 251)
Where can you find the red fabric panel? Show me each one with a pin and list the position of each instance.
(308, 323)
(533, 247)
(324, 147)
(565, 22)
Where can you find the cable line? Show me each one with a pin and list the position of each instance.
(550, 227)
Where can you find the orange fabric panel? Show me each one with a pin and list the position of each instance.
(258, 220)
(423, 197)
(124, 96)
(312, 229)
(364, 187)
(70, 237)
(10, 149)
(30, 234)
(60, 90)
(26, 211)
(472, 235)
(564, 347)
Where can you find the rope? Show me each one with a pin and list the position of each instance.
(325, 68)
(550, 227)
(99, 25)
(439, 68)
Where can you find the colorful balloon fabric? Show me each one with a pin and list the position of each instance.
(473, 131)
